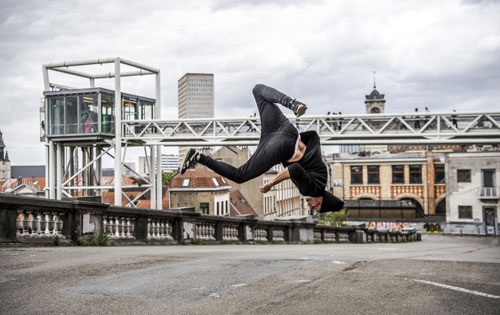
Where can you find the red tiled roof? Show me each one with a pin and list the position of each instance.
(10, 183)
(240, 205)
(109, 196)
(199, 178)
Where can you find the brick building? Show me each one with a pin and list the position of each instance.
(204, 190)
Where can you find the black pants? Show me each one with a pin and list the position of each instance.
(277, 142)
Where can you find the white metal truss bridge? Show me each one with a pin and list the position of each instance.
(405, 128)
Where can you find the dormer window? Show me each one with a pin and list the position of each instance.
(216, 183)
(185, 182)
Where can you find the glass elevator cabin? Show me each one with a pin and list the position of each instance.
(89, 114)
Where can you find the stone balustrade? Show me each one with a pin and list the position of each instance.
(34, 224)
(25, 219)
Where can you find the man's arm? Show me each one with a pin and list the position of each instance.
(283, 175)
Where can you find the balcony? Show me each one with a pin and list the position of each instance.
(489, 193)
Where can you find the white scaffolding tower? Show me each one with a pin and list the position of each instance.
(65, 174)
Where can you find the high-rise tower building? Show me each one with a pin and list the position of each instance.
(196, 98)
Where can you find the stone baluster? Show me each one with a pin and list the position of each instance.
(163, 234)
(54, 220)
(50, 224)
(19, 223)
(127, 228)
(111, 227)
(149, 228)
(26, 224)
(168, 230)
(35, 225)
(59, 225)
(117, 228)
(212, 232)
(132, 228)
(104, 225)
(153, 229)
(43, 225)
(158, 229)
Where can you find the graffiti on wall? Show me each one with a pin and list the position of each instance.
(432, 227)
(390, 226)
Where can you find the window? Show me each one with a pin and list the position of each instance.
(488, 178)
(216, 183)
(398, 174)
(185, 182)
(465, 212)
(204, 208)
(217, 213)
(373, 174)
(227, 209)
(356, 174)
(415, 174)
(222, 178)
(439, 174)
(463, 176)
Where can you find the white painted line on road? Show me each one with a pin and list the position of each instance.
(304, 258)
(338, 262)
(386, 248)
(239, 285)
(200, 288)
(458, 289)
(303, 281)
(214, 295)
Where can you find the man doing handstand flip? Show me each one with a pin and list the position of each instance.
(280, 142)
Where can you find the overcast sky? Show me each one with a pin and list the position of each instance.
(441, 54)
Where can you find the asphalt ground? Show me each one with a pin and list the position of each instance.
(440, 275)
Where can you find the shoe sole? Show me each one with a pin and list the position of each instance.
(186, 160)
(301, 111)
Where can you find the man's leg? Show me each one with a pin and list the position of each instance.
(271, 117)
(260, 162)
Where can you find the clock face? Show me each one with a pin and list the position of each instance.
(375, 110)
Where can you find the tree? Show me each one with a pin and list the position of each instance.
(332, 218)
(166, 177)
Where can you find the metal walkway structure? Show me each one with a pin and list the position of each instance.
(406, 128)
(82, 125)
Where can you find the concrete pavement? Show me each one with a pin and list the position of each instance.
(443, 274)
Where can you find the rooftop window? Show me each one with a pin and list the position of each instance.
(216, 183)
(185, 182)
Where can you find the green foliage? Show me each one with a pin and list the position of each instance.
(166, 178)
(332, 218)
(56, 240)
(316, 241)
(197, 241)
(102, 240)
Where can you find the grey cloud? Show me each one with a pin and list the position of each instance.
(444, 56)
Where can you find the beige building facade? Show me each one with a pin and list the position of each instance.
(419, 177)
